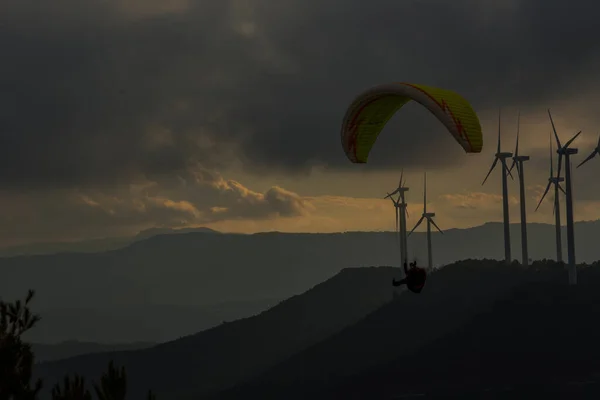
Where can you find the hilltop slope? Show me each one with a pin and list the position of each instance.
(542, 335)
(58, 351)
(538, 332)
(452, 297)
(222, 356)
(126, 324)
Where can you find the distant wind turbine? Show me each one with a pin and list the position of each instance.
(401, 190)
(518, 162)
(567, 152)
(555, 180)
(502, 156)
(397, 207)
(429, 216)
(596, 151)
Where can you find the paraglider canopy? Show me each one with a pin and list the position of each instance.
(372, 109)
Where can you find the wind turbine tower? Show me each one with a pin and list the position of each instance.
(518, 162)
(502, 156)
(567, 152)
(397, 207)
(401, 202)
(429, 216)
(555, 180)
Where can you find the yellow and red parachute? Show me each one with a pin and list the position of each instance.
(372, 109)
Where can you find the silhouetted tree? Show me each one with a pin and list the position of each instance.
(113, 384)
(74, 389)
(17, 360)
(16, 357)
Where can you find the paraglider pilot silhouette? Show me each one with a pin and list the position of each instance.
(415, 278)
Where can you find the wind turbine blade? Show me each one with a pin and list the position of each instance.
(518, 125)
(551, 158)
(406, 211)
(518, 169)
(418, 223)
(571, 140)
(425, 193)
(436, 227)
(401, 175)
(544, 195)
(491, 169)
(554, 129)
(561, 188)
(391, 194)
(513, 165)
(508, 171)
(588, 158)
(499, 113)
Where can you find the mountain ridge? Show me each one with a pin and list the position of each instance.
(223, 354)
(378, 357)
(115, 243)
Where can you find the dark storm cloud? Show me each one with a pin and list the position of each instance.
(90, 95)
(199, 196)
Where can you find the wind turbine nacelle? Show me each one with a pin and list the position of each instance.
(429, 215)
(504, 154)
(521, 158)
(565, 151)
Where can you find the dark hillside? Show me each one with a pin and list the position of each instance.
(239, 350)
(542, 335)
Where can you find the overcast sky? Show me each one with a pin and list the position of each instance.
(120, 115)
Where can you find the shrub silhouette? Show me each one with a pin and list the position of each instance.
(16, 357)
(17, 360)
(113, 384)
(74, 389)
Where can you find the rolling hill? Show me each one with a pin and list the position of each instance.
(454, 296)
(238, 350)
(191, 272)
(58, 351)
(126, 324)
(539, 339)
(200, 268)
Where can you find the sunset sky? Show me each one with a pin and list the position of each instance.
(120, 115)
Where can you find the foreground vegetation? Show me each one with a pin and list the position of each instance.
(17, 360)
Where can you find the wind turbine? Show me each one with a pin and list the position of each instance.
(429, 216)
(596, 151)
(518, 162)
(555, 180)
(567, 152)
(502, 156)
(397, 207)
(401, 190)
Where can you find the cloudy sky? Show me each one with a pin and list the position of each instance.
(120, 115)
